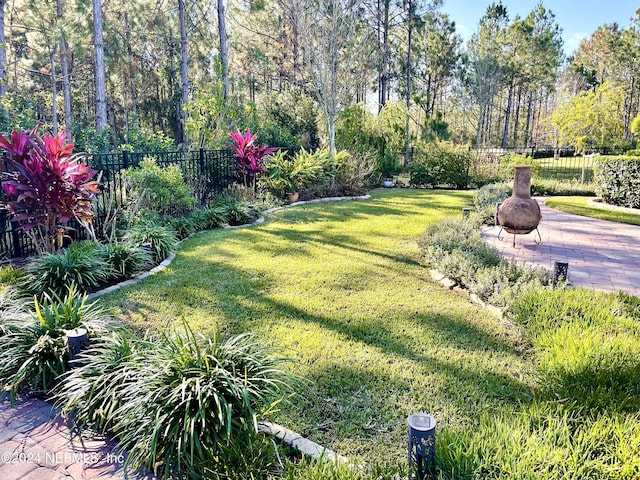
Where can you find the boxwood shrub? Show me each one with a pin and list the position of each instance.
(618, 180)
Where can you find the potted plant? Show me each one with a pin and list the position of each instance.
(289, 175)
(389, 167)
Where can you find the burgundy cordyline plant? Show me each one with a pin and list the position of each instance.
(249, 154)
(45, 186)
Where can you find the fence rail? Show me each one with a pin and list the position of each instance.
(207, 171)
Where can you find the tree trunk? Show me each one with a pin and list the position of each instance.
(628, 109)
(3, 53)
(408, 97)
(384, 73)
(507, 117)
(516, 122)
(100, 81)
(224, 52)
(133, 94)
(66, 79)
(527, 136)
(184, 72)
(54, 91)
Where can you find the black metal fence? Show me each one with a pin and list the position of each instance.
(206, 171)
(560, 164)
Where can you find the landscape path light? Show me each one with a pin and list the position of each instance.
(422, 444)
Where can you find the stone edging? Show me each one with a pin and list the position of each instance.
(167, 261)
(599, 203)
(289, 437)
(454, 286)
(297, 441)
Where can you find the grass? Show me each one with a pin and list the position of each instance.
(337, 287)
(579, 206)
(567, 168)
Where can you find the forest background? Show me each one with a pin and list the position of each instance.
(149, 75)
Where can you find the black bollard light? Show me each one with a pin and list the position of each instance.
(465, 213)
(496, 222)
(76, 341)
(560, 272)
(422, 444)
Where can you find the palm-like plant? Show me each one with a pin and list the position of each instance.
(249, 154)
(292, 174)
(46, 186)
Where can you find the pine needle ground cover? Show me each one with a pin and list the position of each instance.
(339, 289)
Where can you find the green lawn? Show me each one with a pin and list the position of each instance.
(338, 288)
(567, 168)
(579, 206)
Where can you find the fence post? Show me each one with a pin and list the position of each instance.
(125, 159)
(15, 237)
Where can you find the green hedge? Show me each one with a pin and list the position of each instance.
(440, 164)
(618, 180)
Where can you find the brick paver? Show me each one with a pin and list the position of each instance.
(35, 445)
(602, 255)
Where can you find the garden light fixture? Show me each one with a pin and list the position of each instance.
(422, 443)
(560, 272)
(76, 341)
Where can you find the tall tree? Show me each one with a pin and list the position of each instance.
(99, 71)
(486, 59)
(65, 54)
(184, 73)
(3, 53)
(331, 43)
(224, 49)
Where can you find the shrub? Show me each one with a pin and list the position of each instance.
(249, 154)
(238, 213)
(290, 174)
(10, 276)
(181, 406)
(454, 248)
(618, 180)
(499, 285)
(509, 162)
(440, 163)
(354, 174)
(33, 348)
(486, 197)
(124, 260)
(45, 187)
(543, 187)
(183, 226)
(80, 265)
(161, 240)
(207, 218)
(161, 189)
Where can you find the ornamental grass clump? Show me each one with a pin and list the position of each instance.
(181, 405)
(81, 265)
(32, 339)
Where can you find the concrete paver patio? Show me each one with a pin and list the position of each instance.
(602, 255)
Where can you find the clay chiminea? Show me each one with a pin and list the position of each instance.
(520, 213)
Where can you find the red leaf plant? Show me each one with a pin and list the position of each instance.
(249, 154)
(45, 186)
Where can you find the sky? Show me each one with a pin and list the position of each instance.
(578, 19)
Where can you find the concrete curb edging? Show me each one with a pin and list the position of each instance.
(605, 206)
(297, 441)
(167, 261)
(473, 298)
